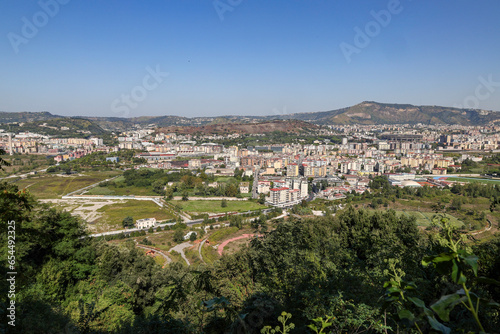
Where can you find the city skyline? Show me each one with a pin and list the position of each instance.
(220, 58)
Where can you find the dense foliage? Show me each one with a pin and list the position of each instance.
(329, 269)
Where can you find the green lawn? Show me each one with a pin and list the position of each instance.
(55, 186)
(113, 214)
(215, 206)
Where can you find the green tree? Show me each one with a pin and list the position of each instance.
(179, 236)
(159, 187)
(128, 222)
(262, 198)
(2, 161)
(223, 203)
(169, 193)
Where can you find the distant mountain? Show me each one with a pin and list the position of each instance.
(60, 126)
(25, 116)
(369, 112)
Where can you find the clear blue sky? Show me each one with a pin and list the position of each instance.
(264, 57)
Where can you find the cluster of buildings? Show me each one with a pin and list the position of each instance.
(60, 148)
(285, 173)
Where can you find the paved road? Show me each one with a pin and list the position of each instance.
(22, 175)
(180, 249)
(128, 231)
(194, 198)
(188, 223)
(199, 249)
(91, 186)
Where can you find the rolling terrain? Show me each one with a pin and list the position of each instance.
(367, 113)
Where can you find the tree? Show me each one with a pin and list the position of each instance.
(223, 203)
(128, 222)
(179, 236)
(2, 161)
(159, 187)
(262, 198)
(169, 193)
(185, 196)
(192, 237)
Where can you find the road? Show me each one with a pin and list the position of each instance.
(255, 186)
(22, 175)
(180, 249)
(91, 186)
(199, 249)
(128, 231)
(188, 223)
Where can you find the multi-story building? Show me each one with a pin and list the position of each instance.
(292, 170)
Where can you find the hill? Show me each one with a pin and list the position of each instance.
(370, 112)
(62, 127)
(25, 116)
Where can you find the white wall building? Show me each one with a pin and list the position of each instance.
(145, 223)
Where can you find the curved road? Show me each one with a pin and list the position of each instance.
(199, 249)
(180, 249)
(169, 260)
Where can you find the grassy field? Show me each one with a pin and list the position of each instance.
(425, 218)
(55, 186)
(222, 234)
(113, 214)
(209, 254)
(215, 206)
(129, 190)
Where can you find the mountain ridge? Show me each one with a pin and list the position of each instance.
(365, 113)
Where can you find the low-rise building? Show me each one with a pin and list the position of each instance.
(244, 187)
(145, 223)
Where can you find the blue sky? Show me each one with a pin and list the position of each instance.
(245, 57)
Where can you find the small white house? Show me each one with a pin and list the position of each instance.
(145, 223)
(244, 187)
(188, 235)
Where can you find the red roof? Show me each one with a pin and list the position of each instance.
(279, 189)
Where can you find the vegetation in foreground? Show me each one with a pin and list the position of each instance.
(326, 271)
